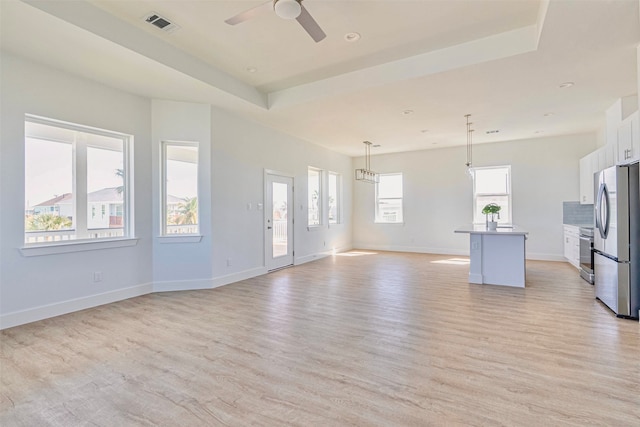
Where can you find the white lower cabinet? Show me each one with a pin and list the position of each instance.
(572, 244)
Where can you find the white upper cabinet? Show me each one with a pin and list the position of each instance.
(628, 143)
(613, 117)
(594, 162)
(586, 179)
(622, 145)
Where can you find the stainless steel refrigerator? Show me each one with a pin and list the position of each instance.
(616, 243)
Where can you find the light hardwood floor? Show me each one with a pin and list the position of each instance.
(386, 339)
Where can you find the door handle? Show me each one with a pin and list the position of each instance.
(269, 228)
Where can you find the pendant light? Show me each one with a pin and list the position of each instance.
(469, 162)
(366, 174)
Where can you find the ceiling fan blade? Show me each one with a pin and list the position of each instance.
(248, 14)
(310, 25)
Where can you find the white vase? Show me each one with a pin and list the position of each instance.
(492, 225)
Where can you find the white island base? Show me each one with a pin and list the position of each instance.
(496, 257)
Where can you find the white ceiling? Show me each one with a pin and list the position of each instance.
(501, 61)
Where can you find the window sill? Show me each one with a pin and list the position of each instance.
(76, 246)
(187, 238)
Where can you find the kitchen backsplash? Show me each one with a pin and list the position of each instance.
(574, 213)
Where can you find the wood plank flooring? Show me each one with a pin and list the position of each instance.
(381, 339)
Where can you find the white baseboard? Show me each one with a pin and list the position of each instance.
(237, 277)
(191, 285)
(320, 255)
(21, 317)
(309, 258)
(183, 285)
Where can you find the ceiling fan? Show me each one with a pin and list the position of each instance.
(286, 9)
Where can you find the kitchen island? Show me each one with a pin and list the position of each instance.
(497, 257)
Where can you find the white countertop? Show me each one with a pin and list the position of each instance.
(482, 229)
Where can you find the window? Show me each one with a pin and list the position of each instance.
(180, 188)
(492, 185)
(333, 204)
(70, 171)
(389, 198)
(315, 196)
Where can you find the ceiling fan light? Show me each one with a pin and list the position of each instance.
(287, 9)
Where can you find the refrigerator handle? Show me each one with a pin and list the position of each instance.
(602, 211)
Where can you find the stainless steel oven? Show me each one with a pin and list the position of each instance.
(586, 254)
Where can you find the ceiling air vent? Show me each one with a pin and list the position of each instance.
(161, 22)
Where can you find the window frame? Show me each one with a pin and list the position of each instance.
(509, 194)
(338, 197)
(79, 180)
(163, 191)
(321, 192)
(377, 218)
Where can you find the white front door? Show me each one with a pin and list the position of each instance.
(278, 221)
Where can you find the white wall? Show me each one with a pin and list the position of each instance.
(242, 150)
(234, 153)
(186, 263)
(438, 194)
(67, 279)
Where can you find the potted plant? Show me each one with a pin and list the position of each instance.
(492, 209)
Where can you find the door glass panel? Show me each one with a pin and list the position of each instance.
(279, 214)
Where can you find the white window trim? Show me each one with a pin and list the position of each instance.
(67, 246)
(321, 204)
(55, 248)
(178, 238)
(509, 193)
(375, 213)
(338, 199)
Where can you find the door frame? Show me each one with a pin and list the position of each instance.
(290, 213)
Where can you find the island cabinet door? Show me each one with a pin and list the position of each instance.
(503, 259)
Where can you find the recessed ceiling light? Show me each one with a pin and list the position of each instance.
(566, 84)
(352, 37)
(251, 69)
(434, 143)
(407, 112)
(424, 130)
(539, 131)
(548, 114)
(493, 131)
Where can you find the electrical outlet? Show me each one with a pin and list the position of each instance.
(97, 276)
(228, 262)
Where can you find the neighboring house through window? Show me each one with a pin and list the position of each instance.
(492, 185)
(389, 199)
(334, 188)
(314, 190)
(70, 171)
(180, 212)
